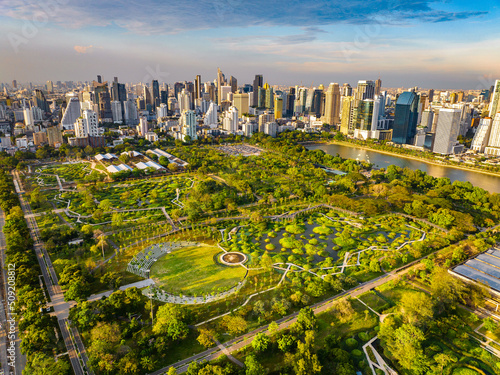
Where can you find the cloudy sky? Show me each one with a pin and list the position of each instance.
(426, 43)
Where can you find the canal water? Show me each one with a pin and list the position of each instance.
(380, 160)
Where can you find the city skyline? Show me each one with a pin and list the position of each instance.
(425, 44)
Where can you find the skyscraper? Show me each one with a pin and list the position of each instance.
(447, 129)
(378, 86)
(71, 113)
(188, 120)
(40, 101)
(87, 124)
(332, 105)
(278, 108)
(240, 101)
(211, 115)
(155, 93)
(221, 81)
(233, 82)
(346, 123)
(14, 84)
(494, 140)
(366, 90)
(482, 135)
(197, 87)
(257, 82)
(105, 113)
(269, 103)
(495, 100)
(50, 87)
(405, 118)
(178, 86)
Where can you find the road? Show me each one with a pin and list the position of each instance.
(61, 308)
(20, 359)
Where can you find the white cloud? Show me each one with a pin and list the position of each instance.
(82, 49)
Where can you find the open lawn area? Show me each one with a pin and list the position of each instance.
(192, 270)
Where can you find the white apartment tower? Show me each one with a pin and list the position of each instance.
(87, 124)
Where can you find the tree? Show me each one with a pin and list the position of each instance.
(253, 367)
(266, 261)
(124, 158)
(105, 205)
(172, 371)
(286, 343)
(406, 346)
(206, 337)
(306, 320)
(304, 361)
(172, 167)
(170, 321)
(416, 307)
(235, 324)
(490, 324)
(446, 289)
(260, 342)
(41, 364)
(442, 360)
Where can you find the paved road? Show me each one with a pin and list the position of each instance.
(61, 308)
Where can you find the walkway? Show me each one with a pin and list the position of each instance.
(140, 284)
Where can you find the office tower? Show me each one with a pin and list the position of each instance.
(184, 100)
(105, 114)
(131, 115)
(366, 90)
(118, 91)
(221, 81)
(40, 101)
(494, 140)
(426, 120)
(188, 120)
(346, 90)
(164, 96)
(178, 86)
(116, 111)
(278, 108)
(240, 101)
(453, 98)
(495, 100)
(155, 93)
(146, 95)
(482, 135)
(363, 119)
(54, 136)
(211, 115)
(233, 82)
(87, 124)
(405, 118)
(261, 97)
(189, 87)
(99, 79)
(430, 94)
(447, 129)
(50, 87)
(332, 105)
(197, 87)
(257, 82)
(223, 92)
(290, 101)
(71, 113)
(378, 86)
(269, 96)
(460, 96)
(14, 84)
(378, 119)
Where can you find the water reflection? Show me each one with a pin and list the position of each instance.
(487, 182)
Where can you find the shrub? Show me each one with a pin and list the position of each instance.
(351, 343)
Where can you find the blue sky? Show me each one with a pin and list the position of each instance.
(427, 43)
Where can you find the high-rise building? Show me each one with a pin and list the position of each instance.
(366, 90)
(430, 94)
(346, 90)
(184, 100)
(146, 95)
(50, 87)
(164, 96)
(278, 107)
(197, 87)
(131, 115)
(39, 138)
(116, 110)
(28, 117)
(40, 101)
(269, 96)
(346, 122)
(447, 129)
(426, 119)
(494, 140)
(332, 105)
(495, 100)
(240, 101)
(105, 114)
(14, 84)
(71, 113)
(221, 81)
(211, 115)
(143, 127)
(188, 120)
(378, 86)
(54, 136)
(87, 124)
(224, 91)
(405, 118)
(178, 86)
(271, 128)
(482, 135)
(155, 93)
(363, 119)
(257, 82)
(231, 120)
(233, 82)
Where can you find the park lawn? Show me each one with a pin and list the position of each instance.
(192, 270)
(374, 301)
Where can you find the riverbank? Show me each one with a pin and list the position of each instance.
(409, 157)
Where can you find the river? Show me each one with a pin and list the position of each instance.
(381, 160)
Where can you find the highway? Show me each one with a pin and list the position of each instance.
(77, 355)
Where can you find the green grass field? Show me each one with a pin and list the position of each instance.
(192, 271)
